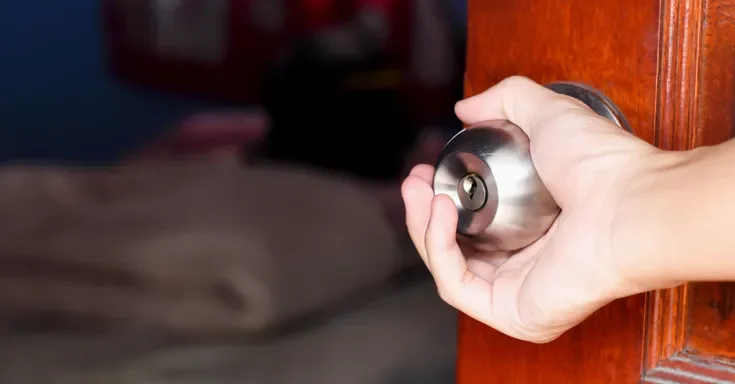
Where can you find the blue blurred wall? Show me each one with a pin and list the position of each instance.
(56, 99)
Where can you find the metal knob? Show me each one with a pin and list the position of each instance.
(488, 171)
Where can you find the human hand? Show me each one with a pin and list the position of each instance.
(586, 162)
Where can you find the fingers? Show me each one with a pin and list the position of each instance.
(457, 284)
(432, 225)
(519, 100)
(425, 172)
(417, 196)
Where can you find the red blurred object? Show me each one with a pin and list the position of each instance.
(222, 48)
(317, 14)
(202, 47)
(208, 135)
(214, 47)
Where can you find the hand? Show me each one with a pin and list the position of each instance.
(538, 293)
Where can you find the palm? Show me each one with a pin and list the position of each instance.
(536, 293)
(499, 278)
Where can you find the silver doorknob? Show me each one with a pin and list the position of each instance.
(488, 171)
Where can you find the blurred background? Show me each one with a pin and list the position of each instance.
(209, 191)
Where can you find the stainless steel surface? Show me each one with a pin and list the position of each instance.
(517, 208)
(488, 172)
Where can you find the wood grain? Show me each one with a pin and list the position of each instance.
(669, 65)
(611, 46)
(610, 49)
(676, 105)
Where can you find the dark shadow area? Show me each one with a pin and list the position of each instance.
(209, 192)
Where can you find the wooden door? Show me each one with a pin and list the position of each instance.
(669, 65)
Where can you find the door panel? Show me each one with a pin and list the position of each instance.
(690, 333)
(668, 65)
(609, 44)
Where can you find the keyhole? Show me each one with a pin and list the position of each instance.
(472, 192)
(470, 186)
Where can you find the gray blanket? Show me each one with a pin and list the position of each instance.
(188, 248)
(402, 337)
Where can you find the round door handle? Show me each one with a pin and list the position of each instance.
(488, 172)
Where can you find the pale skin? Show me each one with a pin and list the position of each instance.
(634, 218)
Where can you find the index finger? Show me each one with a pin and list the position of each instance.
(519, 100)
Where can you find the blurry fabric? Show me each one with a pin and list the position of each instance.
(190, 248)
(405, 336)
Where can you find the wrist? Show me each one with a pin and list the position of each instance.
(651, 220)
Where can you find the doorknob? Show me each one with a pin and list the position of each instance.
(488, 172)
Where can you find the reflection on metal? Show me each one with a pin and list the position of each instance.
(488, 172)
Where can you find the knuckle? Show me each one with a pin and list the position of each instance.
(560, 103)
(517, 80)
(545, 339)
(536, 335)
(566, 102)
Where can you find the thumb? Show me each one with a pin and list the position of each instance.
(519, 100)
(457, 284)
